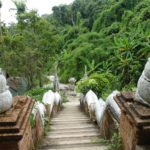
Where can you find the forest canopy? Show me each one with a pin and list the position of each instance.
(107, 36)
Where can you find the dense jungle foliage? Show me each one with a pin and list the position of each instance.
(107, 36)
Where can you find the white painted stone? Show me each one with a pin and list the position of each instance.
(49, 98)
(91, 99)
(81, 97)
(72, 80)
(3, 83)
(5, 101)
(3, 72)
(110, 102)
(139, 99)
(34, 111)
(99, 110)
(51, 78)
(147, 69)
(143, 87)
(42, 110)
(5, 95)
(143, 92)
(57, 98)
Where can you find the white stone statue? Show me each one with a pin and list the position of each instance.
(72, 81)
(2, 72)
(5, 95)
(143, 88)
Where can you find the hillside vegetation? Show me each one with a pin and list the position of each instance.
(108, 36)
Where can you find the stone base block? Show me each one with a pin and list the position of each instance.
(15, 129)
(108, 125)
(26, 142)
(128, 132)
(38, 130)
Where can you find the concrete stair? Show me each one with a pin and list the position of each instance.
(72, 130)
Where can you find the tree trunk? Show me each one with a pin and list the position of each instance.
(40, 80)
(72, 20)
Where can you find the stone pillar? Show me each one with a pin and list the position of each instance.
(15, 129)
(56, 83)
(38, 130)
(85, 73)
(134, 122)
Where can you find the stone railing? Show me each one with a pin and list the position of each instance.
(106, 114)
(130, 111)
(16, 129)
(16, 132)
(134, 122)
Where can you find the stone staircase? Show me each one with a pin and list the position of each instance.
(72, 130)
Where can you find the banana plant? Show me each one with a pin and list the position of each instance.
(92, 66)
(130, 53)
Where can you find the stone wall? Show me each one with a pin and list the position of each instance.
(108, 125)
(15, 125)
(16, 132)
(128, 132)
(108, 122)
(37, 131)
(26, 142)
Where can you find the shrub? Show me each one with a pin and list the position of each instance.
(98, 83)
(115, 143)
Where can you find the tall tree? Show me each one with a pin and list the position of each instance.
(20, 7)
(28, 50)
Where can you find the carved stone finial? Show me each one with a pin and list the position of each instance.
(143, 92)
(5, 95)
(56, 83)
(85, 73)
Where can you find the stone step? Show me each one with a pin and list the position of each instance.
(78, 146)
(70, 119)
(68, 132)
(70, 135)
(71, 115)
(71, 140)
(52, 129)
(70, 126)
(70, 122)
(70, 111)
(71, 129)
